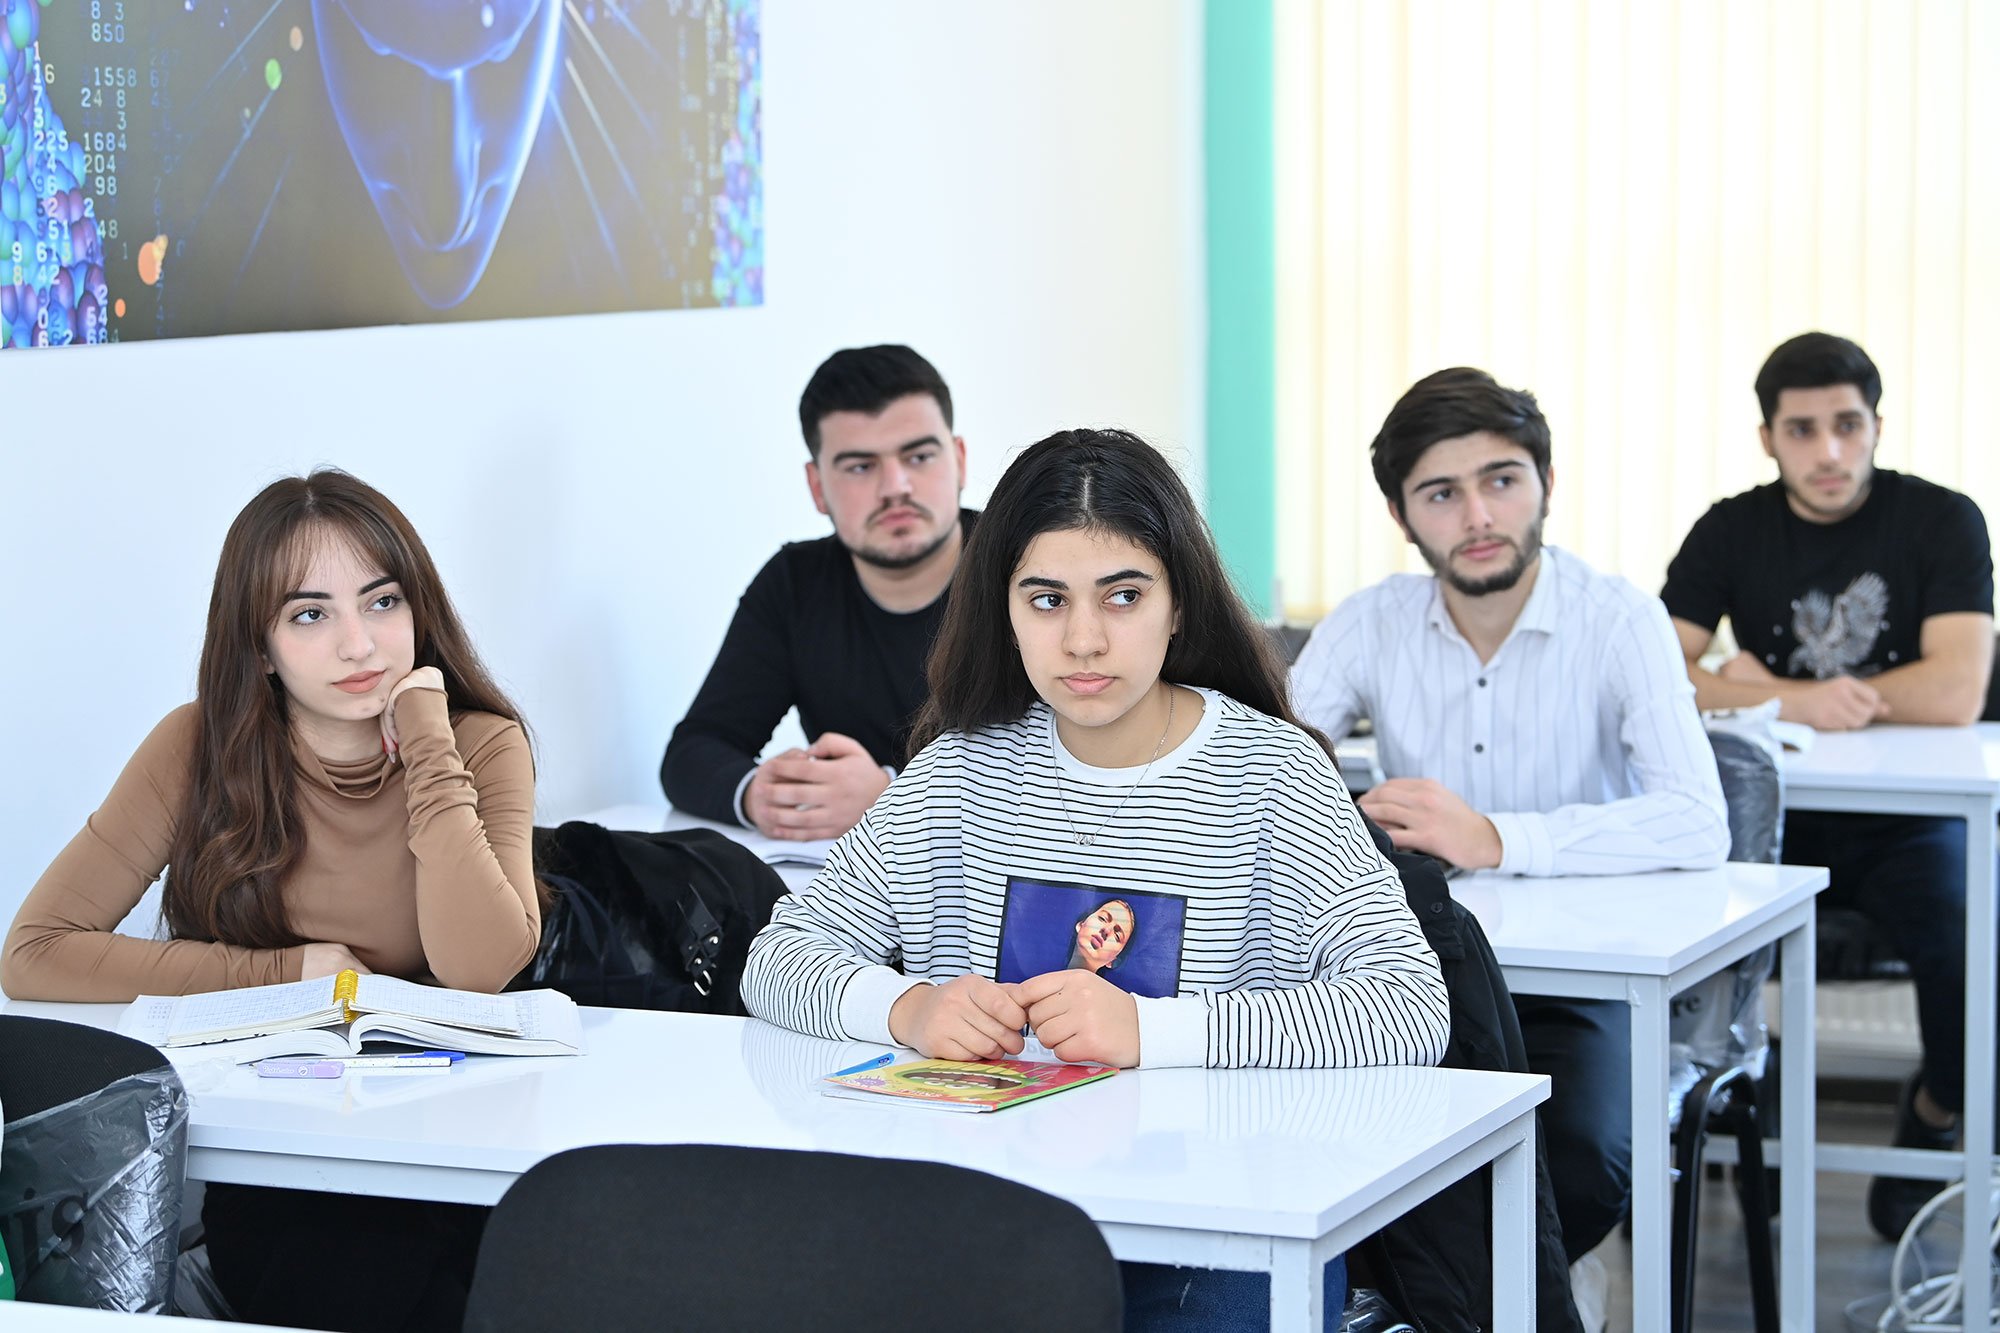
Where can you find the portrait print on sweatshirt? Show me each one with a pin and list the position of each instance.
(1131, 938)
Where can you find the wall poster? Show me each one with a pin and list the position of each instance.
(179, 168)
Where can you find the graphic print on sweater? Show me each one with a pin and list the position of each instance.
(1131, 938)
(1836, 634)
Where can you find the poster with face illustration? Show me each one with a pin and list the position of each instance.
(173, 168)
(1130, 938)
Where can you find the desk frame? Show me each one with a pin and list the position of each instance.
(1647, 998)
(1980, 810)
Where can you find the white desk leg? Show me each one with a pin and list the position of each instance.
(1514, 1233)
(1298, 1288)
(1978, 1114)
(1796, 1131)
(1652, 1210)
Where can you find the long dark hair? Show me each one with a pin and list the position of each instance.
(1107, 481)
(238, 834)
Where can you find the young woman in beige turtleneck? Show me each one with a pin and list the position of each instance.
(349, 789)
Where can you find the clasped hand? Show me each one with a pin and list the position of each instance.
(1075, 1013)
(1839, 703)
(819, 792)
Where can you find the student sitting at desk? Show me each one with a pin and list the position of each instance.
(1856, 594)
(1533, 717)
(838, 627)
(1107, 738)
(349, 789)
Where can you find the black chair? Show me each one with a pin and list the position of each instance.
(1289, 639)
(92, 1166)
(1725, 1099)
(645, 1237)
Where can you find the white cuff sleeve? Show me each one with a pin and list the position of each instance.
(1172, 1032)
(865, 1004)
(737, 800)
(1525, 845)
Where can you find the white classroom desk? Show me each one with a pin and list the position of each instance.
(1269, 1170)
(1953, 772)
(1641, 939)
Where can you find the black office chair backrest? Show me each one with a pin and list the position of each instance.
(44, 1063)
(92, 1166)
(650, 1237)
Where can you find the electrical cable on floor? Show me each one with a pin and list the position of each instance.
(1924, 1304)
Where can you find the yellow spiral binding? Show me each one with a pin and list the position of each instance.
(344, 990)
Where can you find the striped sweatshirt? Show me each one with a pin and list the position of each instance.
(1234, 892)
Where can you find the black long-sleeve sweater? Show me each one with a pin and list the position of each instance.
(806, 635)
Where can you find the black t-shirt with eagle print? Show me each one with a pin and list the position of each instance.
(1817, 600)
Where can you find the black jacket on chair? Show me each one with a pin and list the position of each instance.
(1435, 1263)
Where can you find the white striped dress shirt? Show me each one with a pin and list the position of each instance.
(1579, 740)
(1298, 949)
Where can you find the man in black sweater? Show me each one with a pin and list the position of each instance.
(838, 627)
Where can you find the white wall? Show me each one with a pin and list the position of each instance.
(1014, 190)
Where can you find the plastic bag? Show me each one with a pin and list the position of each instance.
(90, 1196)
(1719, 1021)
(1369, 1312)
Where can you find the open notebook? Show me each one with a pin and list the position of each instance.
(333, 1016)
(782, 851)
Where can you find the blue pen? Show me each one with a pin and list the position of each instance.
(887, 1057)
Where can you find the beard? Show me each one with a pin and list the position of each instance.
(1525, 552)
(880, 559)
(1802, 496)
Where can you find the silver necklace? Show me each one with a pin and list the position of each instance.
(1086, 839)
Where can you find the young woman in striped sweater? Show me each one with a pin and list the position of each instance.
(1108, 771)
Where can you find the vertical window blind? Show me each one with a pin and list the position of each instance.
(1623, 206)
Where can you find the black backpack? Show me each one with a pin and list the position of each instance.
(1434, 1263)
(649, 920)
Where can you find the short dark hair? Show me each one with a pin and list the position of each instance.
(1816, 361)
(1444, 406)
(867, 379)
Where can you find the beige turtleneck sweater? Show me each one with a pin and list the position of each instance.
(422, 868)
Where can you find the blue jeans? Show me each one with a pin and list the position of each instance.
(1161, 1298)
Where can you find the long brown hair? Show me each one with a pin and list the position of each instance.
(239, 835)
(1100, 481)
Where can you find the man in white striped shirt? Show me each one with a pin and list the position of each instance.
(1532, 716)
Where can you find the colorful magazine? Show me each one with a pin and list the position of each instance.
(961, 1085)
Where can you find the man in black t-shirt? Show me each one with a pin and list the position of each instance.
(838, 627)
(1856, 595)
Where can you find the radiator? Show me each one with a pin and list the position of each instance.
(1863, 1029)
